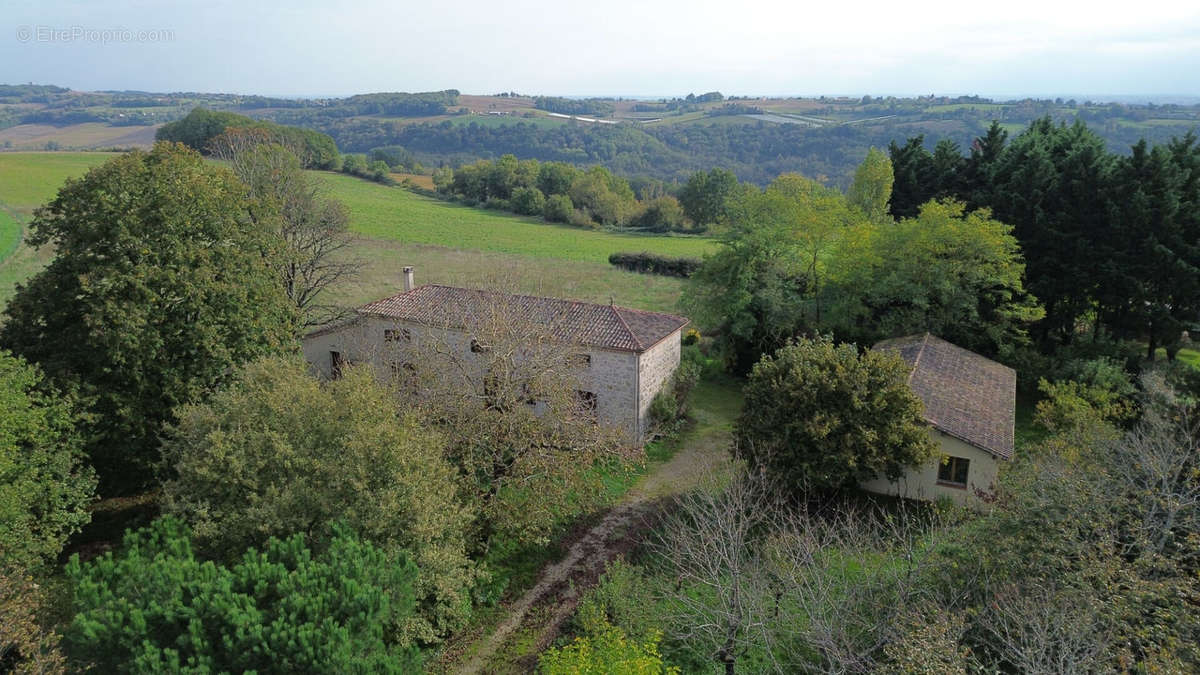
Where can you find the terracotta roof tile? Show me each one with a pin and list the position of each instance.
(966, 395)
(605, 326)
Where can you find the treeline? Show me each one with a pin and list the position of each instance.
(572, 106)
(198, 130)
(561, 192)
(1110, 240)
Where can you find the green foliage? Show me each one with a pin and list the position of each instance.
(277, 452)
(570, 106)
(872, 187)
(44, 486)
(558, 209)
(670, 404)
(160, 286)
(603, 196)
(707, 196)
(954, 274)
(606, 650)
(653, 263)
(156, 607)
(528, 201)
(26, 648)
(197, 131)
(661, 214)
(820, 415)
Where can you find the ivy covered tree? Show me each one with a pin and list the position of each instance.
(44, 485)
(160, 286)
(157, 607)
(820, 415)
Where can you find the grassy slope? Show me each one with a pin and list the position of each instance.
(28, 180)
(382, 212)
(447, 243)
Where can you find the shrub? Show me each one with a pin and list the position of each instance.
(276, 452)
(654, 263)
(580, 218)
(25, 647)
(156, 607)
(690, 337)
(558, 209)
(44, 486)
(606, 650)
(821, 415)
(670, 404)
(528, 201)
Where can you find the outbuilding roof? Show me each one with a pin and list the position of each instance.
(605, 326)
(967, 396)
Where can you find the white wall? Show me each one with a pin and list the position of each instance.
(922, 482)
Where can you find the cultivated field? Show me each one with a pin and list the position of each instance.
(447, 243)
(78, 136)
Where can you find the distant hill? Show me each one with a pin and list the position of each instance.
(758, 138)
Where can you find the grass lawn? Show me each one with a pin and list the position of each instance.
(382, 212)
(10, 234)
(589, 281)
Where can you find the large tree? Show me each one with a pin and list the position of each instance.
(277, 452)
(958, 275)
(820, 415)
(707, 196)
(161, 284)
(871, 190)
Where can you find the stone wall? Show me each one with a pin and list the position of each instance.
(655, 367)
(611, 375)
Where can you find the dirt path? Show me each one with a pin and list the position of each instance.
(702, 453)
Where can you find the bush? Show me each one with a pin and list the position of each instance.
(690, 337)
(155, 607)
(606, 650)
(25, 647)
(580, 218)
(44, 485)
(528, 201)
(276, 452)
(670, 404)
(822, 415)
(653, 263)
(558, 209)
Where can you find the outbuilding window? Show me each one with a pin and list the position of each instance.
(952, 471)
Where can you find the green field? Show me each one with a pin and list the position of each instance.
(490, 121)
(382, 212)
(447, 243)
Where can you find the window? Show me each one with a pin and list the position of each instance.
(953, 471)
(396, 334)
(582, 360)
(478, 347)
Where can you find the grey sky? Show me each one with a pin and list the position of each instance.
(611, 47)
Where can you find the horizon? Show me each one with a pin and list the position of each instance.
(618, 49)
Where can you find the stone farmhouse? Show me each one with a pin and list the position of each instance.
(623, 356)
(970, 404)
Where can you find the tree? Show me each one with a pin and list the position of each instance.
(606, 198)
(155, 606)
(314, 227)
(660, 214)
(872, 187)
(44, 485)
(915, 176)
(958, 275)
(822, 415)
(605, 650)
(528, 201)
(707, 196)
(558, 209)
(160, 286)
(276, 453)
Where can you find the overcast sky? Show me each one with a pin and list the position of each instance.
(606, 47)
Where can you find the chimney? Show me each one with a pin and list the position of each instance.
(408, 279)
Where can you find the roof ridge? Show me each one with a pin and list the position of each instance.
(633, 336)
(917, 361)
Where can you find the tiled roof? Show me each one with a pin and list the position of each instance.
(966, 395)
(603, 326)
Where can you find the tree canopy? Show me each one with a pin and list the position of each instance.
(160, 286)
